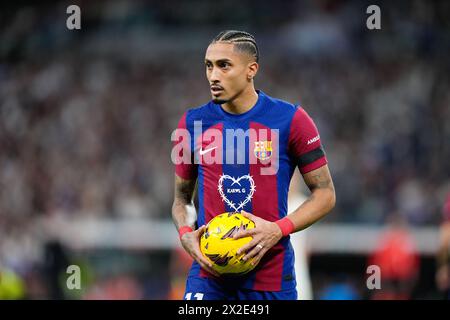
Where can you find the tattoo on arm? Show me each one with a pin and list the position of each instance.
(320, 201)
(319, 179)
(184, 190)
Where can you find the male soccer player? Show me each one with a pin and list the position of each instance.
(252, 177)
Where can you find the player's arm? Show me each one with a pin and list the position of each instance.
(308, 151)
(319, 203)
(183, 195)
(184, 191)
(185, 178)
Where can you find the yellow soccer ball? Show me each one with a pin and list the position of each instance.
(217, 243)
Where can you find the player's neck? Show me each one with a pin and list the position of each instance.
(243, 103)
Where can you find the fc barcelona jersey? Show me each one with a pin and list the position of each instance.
(245, 162)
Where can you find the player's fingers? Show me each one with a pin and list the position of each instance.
(247, 247)
(256, 250)
(202, 260)
(200, 231)
(259, 256)
(244, 233)
(209, 269)
(206, 265)
(248, 215)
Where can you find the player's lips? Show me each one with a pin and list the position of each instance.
(216, 89)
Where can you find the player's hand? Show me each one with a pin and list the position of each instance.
(265, 235)
(190, 242)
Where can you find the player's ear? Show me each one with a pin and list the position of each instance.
(252, 70)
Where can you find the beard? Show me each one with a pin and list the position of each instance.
(219, 101)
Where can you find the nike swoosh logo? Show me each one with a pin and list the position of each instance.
(202, 152)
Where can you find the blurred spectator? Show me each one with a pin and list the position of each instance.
(121, 287)
(180, 264)
(398, 260)
(55, 265)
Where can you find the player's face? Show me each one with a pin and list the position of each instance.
(227, 71)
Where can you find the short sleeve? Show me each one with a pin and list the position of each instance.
(185, 167)
(304, 143)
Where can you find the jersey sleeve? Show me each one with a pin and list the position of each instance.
(304, 143)
(185, 167)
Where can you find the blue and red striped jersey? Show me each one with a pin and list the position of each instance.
(245, 162)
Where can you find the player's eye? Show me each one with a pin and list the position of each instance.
(208, 65)
(224, 65)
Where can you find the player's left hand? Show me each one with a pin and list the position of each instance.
(265, 235)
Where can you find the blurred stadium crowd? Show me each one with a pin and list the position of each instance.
(86, 116)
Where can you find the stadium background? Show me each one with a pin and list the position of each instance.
(86, 118)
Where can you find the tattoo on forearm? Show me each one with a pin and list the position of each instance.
(184, 190)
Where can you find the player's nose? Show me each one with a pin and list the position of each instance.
(214, 76)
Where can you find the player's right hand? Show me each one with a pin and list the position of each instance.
(190, 242)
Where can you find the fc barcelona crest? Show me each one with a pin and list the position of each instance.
(263, 149)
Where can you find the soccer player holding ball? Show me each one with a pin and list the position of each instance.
(239, 152)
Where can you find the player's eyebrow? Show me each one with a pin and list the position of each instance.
(219, 60)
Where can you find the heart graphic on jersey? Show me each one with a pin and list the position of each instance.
(234, 189)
